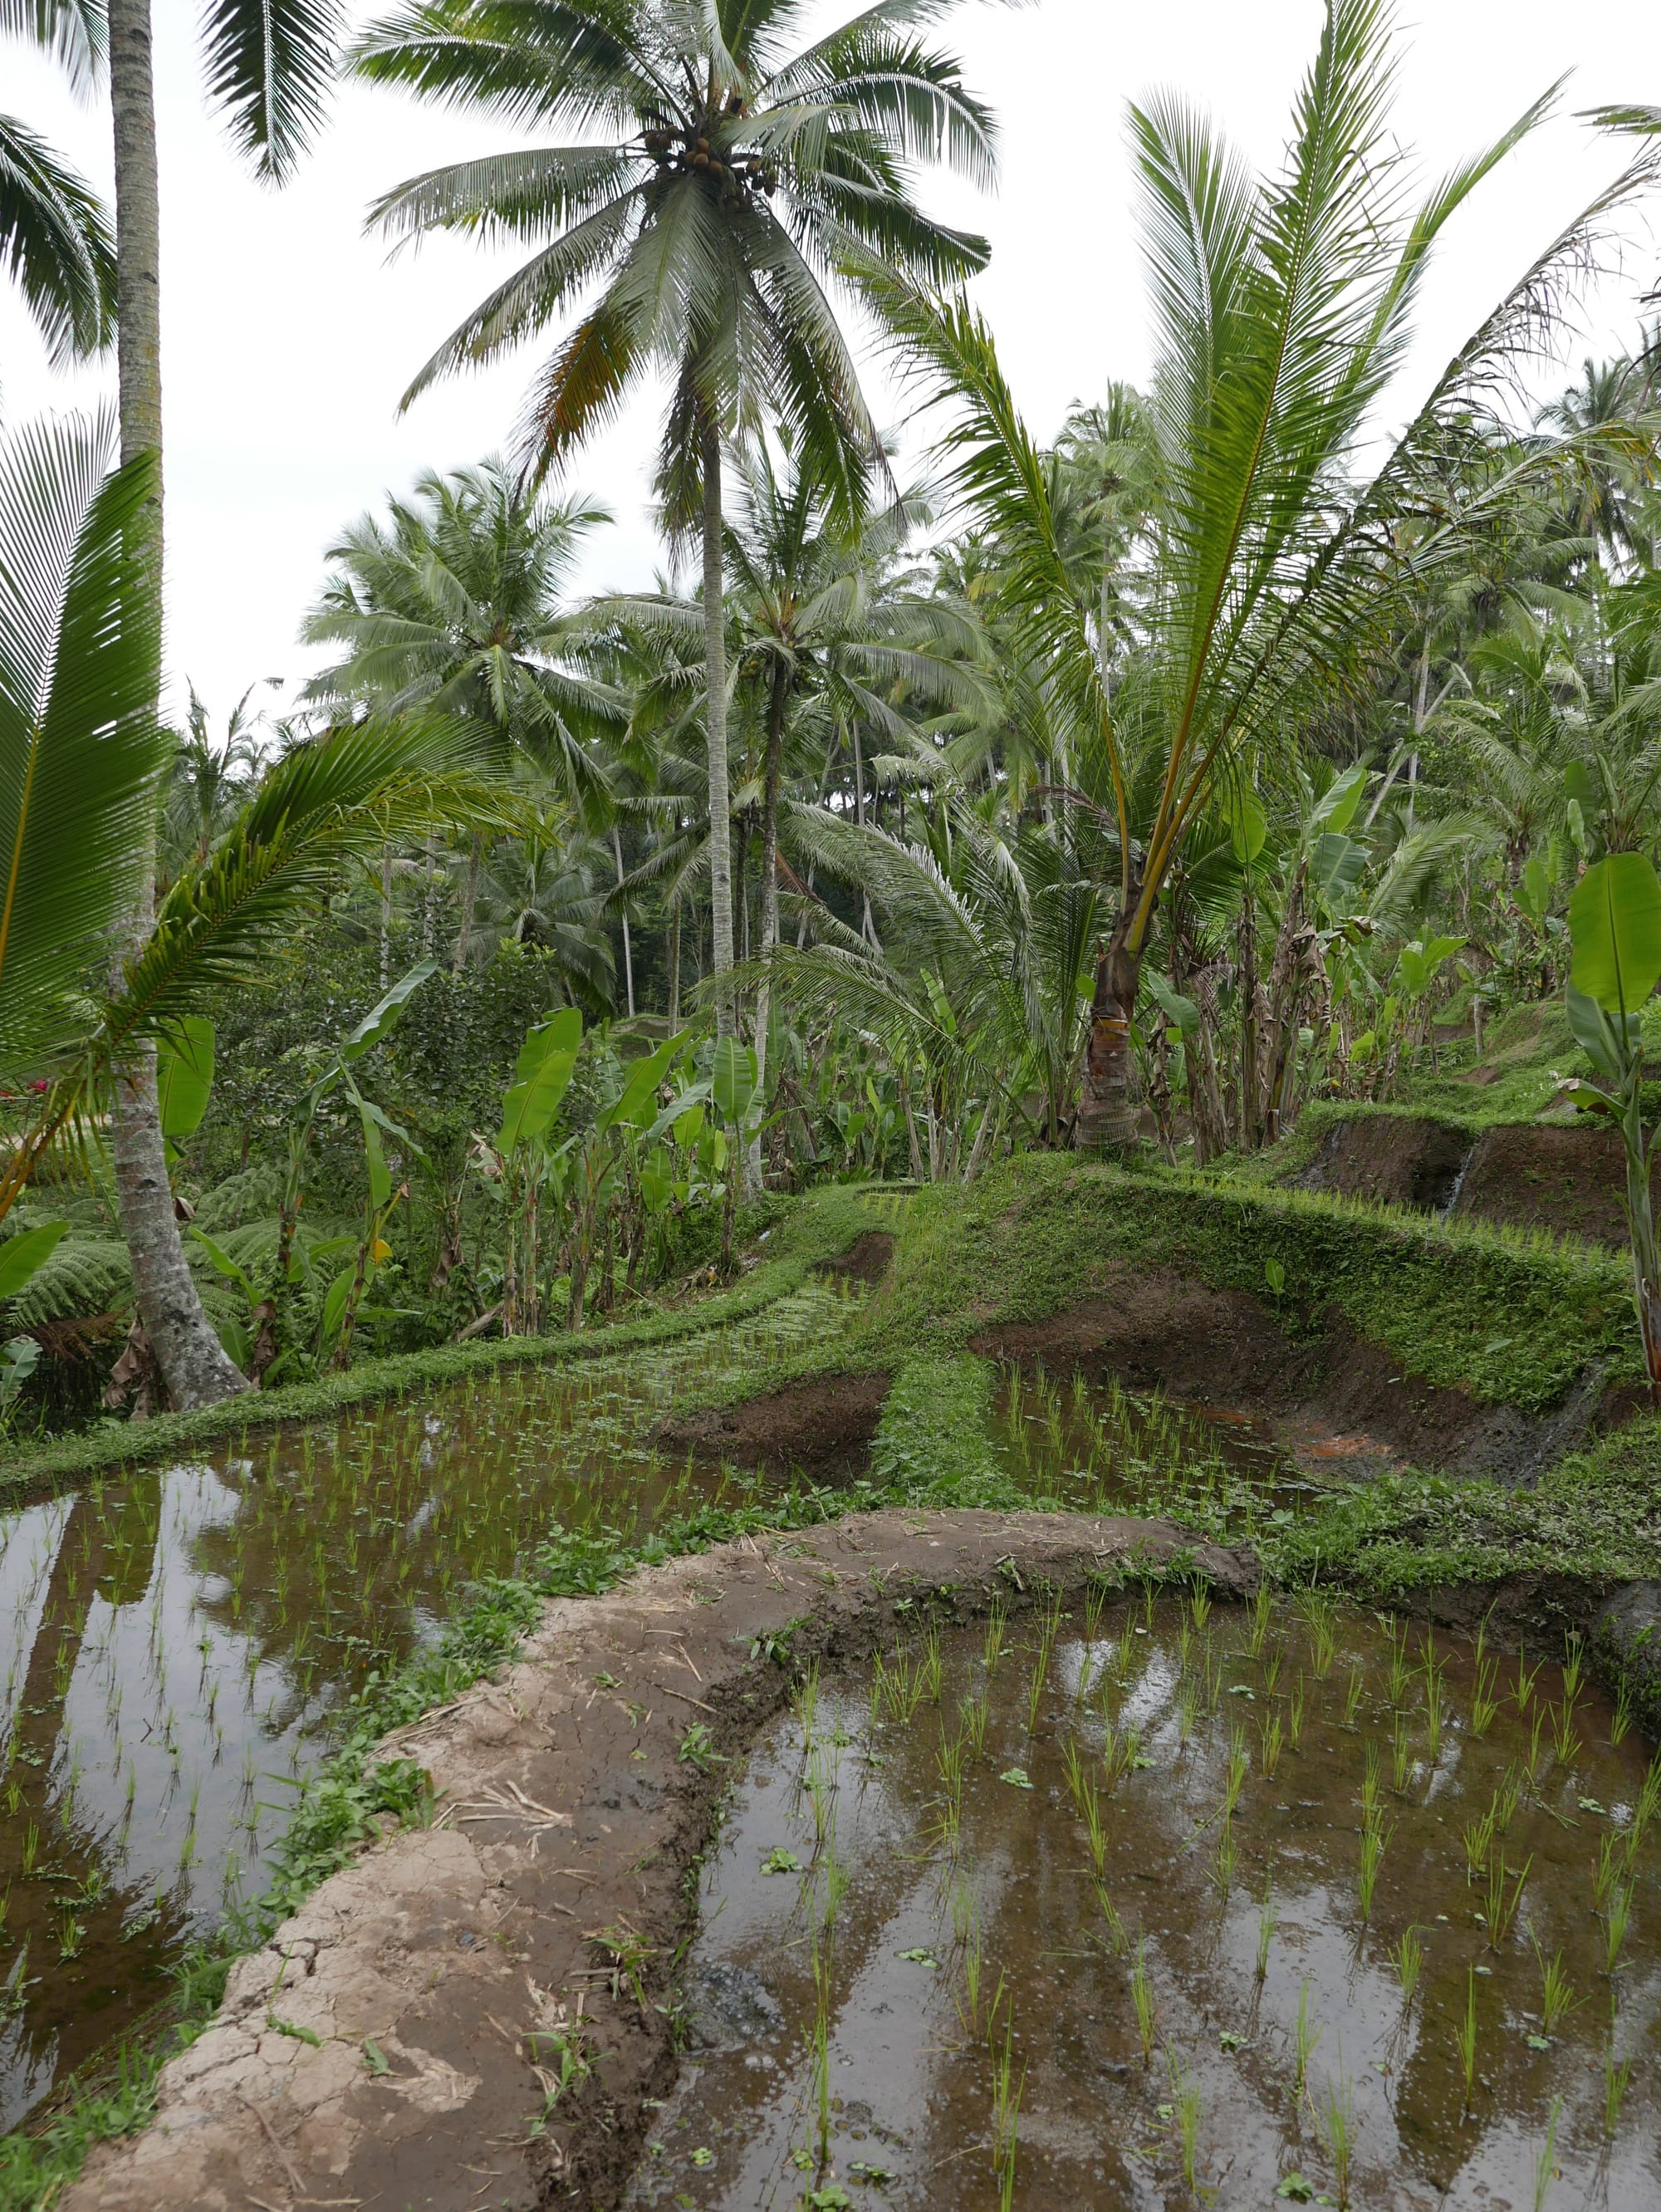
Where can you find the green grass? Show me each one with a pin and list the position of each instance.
(932, 1440)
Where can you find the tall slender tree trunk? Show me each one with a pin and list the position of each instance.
(470, 901)
(769, 907)
(715, 669)
(628, 956)
(1107, 1111)
(386, 915)
(675, 966)
(867, 923)
(193, 1363)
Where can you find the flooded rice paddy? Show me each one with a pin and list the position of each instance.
(180, 1640)
(1101, 1448)
(1158, 1904)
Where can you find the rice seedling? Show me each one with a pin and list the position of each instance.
(1617, 2074)
(1610, 1852)
(1621, 1719)
(1534, 1765)
(1401, 1754)
(1369, 1781)
(972, 1717)
(1188, 1705)
(1306, 2035)
(1433, 1713)
(1526, 1678)
(1616, 1914)
(1295, 1706)
(1226, 1862)
(1479, 1844)
(1320, 1616)
(1141, 1998)
(1574, 1667)
(1565, 1740)
(1239, 1761)
(1545, 2166)
(1375, 1841)
(1268, 1922)
(1465, 2037)
(1186, 2101)
(932, 1670)
(1502, 1902)
(1557, 1997)
(1118, 1937)
(1484, 1696)
(998, 1621)
(1199, 1606)
(1007, 2091)
(1407, 1956)
(1261, 1614)
(1336, 2116)
(1400, 1674)
(1270, 1741)
(1271, 1670)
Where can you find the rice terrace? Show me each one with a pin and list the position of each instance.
(830, 1309)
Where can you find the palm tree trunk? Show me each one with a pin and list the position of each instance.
(769, 909)
(194, 1364)
(1107, 1112)
(675, 966)
(470, 900)
(629, 957)
(715, 671)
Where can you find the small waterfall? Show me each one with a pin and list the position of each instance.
(1457, 1184)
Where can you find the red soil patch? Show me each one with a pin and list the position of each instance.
(821, 1427)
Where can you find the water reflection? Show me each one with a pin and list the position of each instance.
(181, 1639)
(1093, 1927)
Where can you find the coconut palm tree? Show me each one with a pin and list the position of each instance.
(456, 602)
(1281, 310)
(55, 245)
(724, 175)
(268, 64)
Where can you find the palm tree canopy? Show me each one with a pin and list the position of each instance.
(724, 175)
(56, 246)
(455, 602)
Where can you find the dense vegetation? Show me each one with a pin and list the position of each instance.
(1143, 787)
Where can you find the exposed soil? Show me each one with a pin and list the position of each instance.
(394, 2044)
(1535, 1175)
(1542, 1176)
(822, 1428)
(865, 1260)
(1337, 1396)
(1392, 1160)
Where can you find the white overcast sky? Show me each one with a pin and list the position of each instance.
(287, 338)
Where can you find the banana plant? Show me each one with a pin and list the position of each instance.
(1615, 927)
(369, 1032)
(603, 1171)
(541, 1076)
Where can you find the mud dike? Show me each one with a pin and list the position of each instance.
(395, 2042)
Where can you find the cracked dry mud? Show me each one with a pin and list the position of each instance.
(393, 2044)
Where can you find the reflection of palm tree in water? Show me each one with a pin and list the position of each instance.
(71, 1899)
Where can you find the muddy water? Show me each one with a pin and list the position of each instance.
(176, 1643)
(977, 1990)
(1099, 1448)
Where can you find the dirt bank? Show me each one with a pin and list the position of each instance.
(1390, 1159)
(1532, 1175)
(865, 1260)
(1331, 1397)
(1569, 1180)
(398, 2042)
(822, 1428)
